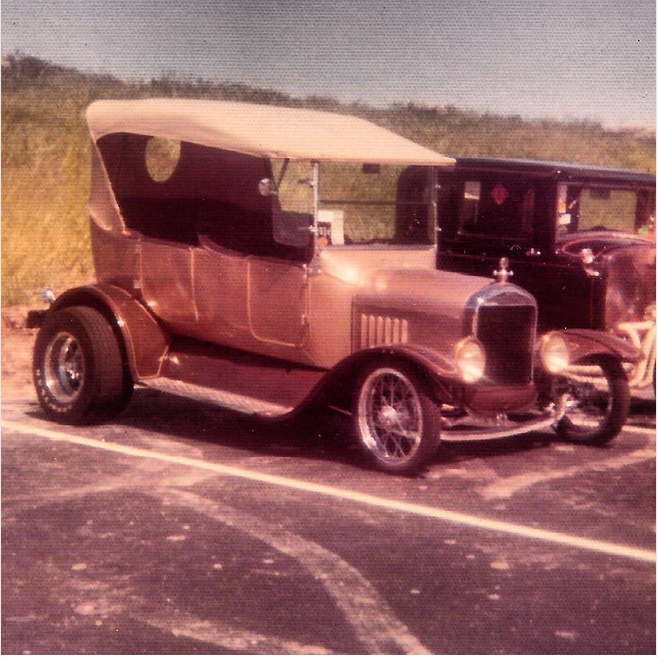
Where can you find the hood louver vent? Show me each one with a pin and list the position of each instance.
(377, 330)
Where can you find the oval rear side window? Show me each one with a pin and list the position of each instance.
(162, 157)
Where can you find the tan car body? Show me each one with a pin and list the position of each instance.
(269, 335)
(358, 298)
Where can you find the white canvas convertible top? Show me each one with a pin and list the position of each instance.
(260, 130)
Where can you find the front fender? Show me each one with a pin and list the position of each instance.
(584, 343)
(441, 375)
(143, 340)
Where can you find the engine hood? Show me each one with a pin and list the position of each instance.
(401, 279)
(398, 296)
(436, 307)
(419, 291)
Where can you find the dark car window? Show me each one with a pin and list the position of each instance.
(497, 209)
(598, 208)
(178, 191)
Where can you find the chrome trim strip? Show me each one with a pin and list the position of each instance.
(222, 398)
(488, 434)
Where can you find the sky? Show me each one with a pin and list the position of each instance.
(561, 59)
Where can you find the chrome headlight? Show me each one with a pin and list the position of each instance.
(470, 359)
(554, 353)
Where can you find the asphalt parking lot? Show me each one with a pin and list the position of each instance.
(183, 529)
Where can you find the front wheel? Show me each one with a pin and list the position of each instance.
(78, 368)
(598, 400)
(396, 421)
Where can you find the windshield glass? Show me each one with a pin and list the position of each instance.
(595, 208)
(357, 204)
(293, 184)
(361, 205)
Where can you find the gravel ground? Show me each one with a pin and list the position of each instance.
(17, 345)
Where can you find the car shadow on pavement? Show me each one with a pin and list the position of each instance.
(321, 435)
(643, 412)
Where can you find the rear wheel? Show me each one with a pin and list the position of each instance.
(78, 368)
(597, 404)
(397, 422)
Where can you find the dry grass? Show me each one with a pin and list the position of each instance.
(45, 154)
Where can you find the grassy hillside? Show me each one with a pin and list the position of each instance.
(45, 153)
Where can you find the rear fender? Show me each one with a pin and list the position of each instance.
(144, 343)
(585, 343)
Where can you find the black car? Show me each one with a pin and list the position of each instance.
(580, 238)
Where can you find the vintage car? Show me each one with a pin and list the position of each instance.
(580, 238)
(251, 257)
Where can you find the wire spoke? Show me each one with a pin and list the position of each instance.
(392, 420)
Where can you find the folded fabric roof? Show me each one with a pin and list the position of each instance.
(260, 130)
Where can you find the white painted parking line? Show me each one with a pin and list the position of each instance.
(630, 428)
(567, 540)
(506, 487)
(633, 429)
(371, 619)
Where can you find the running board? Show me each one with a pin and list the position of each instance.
(222, 398)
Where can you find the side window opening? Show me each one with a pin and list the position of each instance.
(568, 209)
(497, 209)
(469, 211)
(412, 219)
(179, 191)
(599, 208)
(146, 175)
(645, 214)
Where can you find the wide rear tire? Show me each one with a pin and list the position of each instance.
(78, 368)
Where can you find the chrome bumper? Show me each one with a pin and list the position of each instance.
(504, 428)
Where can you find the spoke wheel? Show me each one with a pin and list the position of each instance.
(396, 421)
(597, 405)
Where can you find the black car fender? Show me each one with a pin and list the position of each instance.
(586, 343)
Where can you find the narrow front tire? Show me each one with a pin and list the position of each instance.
(397, 422)
(598, 403)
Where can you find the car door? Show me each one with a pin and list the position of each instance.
(220, 288)
(245, 297)
(277, 301)
(166, 280)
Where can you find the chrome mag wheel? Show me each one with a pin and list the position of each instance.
(78, 369)
(64, 367)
